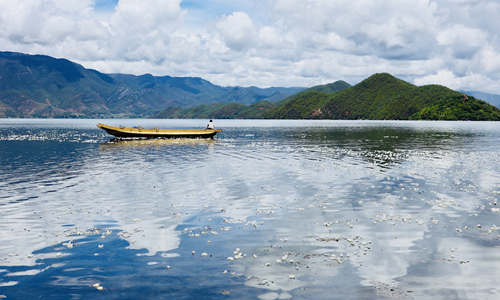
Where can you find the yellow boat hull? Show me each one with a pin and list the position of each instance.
(125, 132)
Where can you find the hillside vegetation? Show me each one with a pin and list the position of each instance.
(459, 108)
(255, 111)
(383, 96)
(217, 111)
(43, 86)
(326, 88)
(489, 98)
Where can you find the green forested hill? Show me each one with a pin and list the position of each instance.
(459, 108)
(379, 97)
(217, 111)
(383, 96)
(489, 98)
(325, 88)
(305, 105)
(330, 88)
(43, 86)
(255, 111)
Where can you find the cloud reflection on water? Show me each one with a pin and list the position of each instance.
(313, 194)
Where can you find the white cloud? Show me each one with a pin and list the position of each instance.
(83, 6)
(92, 29)
(237, 30)
(461, 35)
(56, 29)
(263, 43)
(469, 82)
(489, 61)
(271, 38)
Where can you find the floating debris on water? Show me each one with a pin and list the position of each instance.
(311, 199)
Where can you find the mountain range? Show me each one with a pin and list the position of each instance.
(43, 86)
(379, 97)
(385, 97)
(239, 111)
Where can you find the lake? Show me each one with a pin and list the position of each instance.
(266, 210)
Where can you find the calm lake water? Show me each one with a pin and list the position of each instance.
(267, 210)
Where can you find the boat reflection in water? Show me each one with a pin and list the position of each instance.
(117, 143)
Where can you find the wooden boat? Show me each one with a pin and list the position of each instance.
(139, 132)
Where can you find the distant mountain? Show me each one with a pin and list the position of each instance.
(492, 99)
(239, 111)
(191, 91)
(43, 86)
(383, 96)
(289, 107)
(217, 111)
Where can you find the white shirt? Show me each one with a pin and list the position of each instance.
(210, 125)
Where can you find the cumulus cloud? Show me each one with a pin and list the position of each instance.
(74, 5)
(469, 81)
(265, 43)
(237, 31)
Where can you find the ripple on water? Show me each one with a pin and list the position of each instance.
(368, 209)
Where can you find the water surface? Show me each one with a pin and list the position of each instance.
(267, 210)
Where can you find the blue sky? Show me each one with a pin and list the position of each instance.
(267, 42)
(105, 4)
(209, 9)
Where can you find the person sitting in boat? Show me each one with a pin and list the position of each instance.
(210, 125)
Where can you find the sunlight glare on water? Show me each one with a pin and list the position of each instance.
(266, 210)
